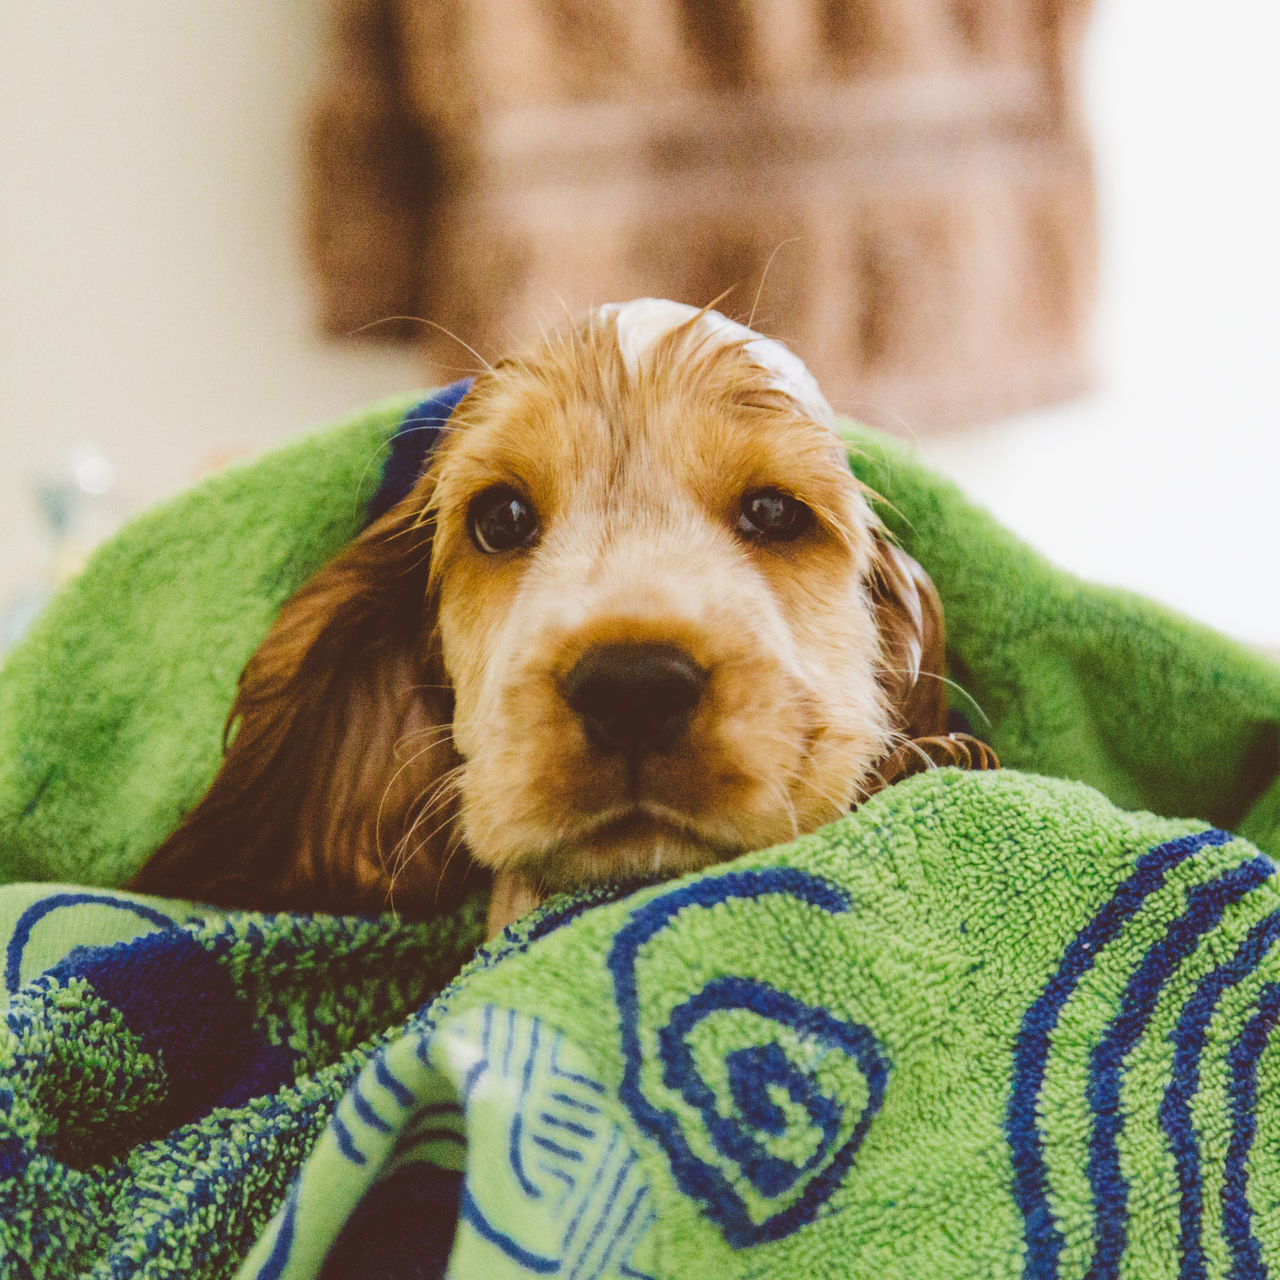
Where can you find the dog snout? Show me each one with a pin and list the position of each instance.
(634, 699)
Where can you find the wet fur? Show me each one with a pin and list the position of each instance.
(404, 723)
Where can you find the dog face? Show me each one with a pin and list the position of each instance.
(635, 616)
(651, 570)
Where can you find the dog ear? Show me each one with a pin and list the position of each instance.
(912, 671)
(335, 788)
(912, 641)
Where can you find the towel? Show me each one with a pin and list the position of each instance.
(986, 1025)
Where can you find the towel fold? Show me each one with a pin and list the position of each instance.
(987, 1025)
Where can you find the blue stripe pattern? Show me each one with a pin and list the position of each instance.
(559, 1201)
(1175, 1109)
(346, 1143)
(536, 1263)
(620, 1232)
(1206, 904)
(282, 1245)
(37, 911)
(1242, 1067)
(382, 1073)
(1030, 1179)
(517, 1123)
(579, 1266)
(560, 1072)
(364, 1109)
(570, 1126)
(565, 1153)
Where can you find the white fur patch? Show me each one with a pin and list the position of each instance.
(643, 323)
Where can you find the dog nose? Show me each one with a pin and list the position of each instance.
(634, 698)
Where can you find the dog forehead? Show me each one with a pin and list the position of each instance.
(571, 424)
(640, 325)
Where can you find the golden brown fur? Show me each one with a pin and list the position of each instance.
(407, 714)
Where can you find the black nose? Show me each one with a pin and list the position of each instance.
(634, 698)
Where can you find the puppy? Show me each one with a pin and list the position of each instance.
(636, 617)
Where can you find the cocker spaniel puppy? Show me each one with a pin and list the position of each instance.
(635, 617)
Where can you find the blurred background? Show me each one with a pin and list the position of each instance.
(1037, 238)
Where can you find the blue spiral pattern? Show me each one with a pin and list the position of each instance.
(1241, 883)
(768, 1098)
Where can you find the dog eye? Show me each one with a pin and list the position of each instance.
(499, 519)
(770, 513)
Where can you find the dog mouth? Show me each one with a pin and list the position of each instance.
(638, 838)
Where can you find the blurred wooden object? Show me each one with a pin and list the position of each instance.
(920, 167)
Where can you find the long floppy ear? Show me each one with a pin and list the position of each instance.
(912, 641)
(335, 790)
(913, 668)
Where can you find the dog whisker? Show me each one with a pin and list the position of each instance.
(764, 275)
(407, 850)
(453, 847)
(682, 527)
(937, 676)
(412, 850)
(448, 333)
(862, 793)
(440, 791)
(437, 731)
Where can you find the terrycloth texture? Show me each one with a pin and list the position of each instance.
(986, 1026)
(989, 1026)
(1086, 682)
(111, 710)
(163, 1074)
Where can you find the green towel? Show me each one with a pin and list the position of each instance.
(988, 1025)
(936, 1039)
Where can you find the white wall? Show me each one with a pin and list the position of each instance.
(153, 294)
(1168, 479)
